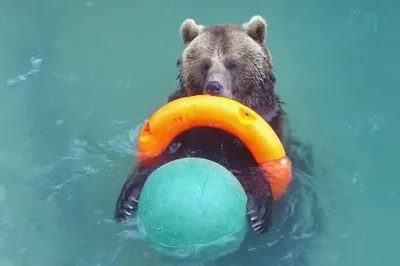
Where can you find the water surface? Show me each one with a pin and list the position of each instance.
(67, 123)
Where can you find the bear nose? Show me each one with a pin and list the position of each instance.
(213, 88)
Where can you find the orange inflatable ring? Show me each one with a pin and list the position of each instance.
(185, 113)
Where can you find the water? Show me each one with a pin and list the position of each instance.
(67, 123)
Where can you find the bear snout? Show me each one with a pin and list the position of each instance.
(213, 88)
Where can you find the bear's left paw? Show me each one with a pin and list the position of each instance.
(257, 215)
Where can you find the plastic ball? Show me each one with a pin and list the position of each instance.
(193, 208)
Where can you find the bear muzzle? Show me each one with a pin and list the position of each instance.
(213, 88)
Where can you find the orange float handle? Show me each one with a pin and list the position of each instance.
(185, 113)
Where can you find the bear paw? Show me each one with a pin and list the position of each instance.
(127, 205)
(257, 214)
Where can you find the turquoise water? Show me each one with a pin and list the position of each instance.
(90, 72)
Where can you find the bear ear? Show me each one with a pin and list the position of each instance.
(256, 28)
(189, 30)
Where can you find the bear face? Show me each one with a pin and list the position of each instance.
(230, 61)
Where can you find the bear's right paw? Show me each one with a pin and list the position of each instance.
(127, 205)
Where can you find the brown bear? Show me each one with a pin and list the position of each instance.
(227, 61)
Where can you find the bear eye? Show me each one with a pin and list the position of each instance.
(205, 65)
(232, 65)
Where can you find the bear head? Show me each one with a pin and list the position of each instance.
(230, 61)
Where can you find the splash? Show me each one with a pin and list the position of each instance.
(35, 68)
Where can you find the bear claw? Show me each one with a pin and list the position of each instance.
(126, 206)
(256, 215)
(129, 206)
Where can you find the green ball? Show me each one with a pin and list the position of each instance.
(193, 208)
